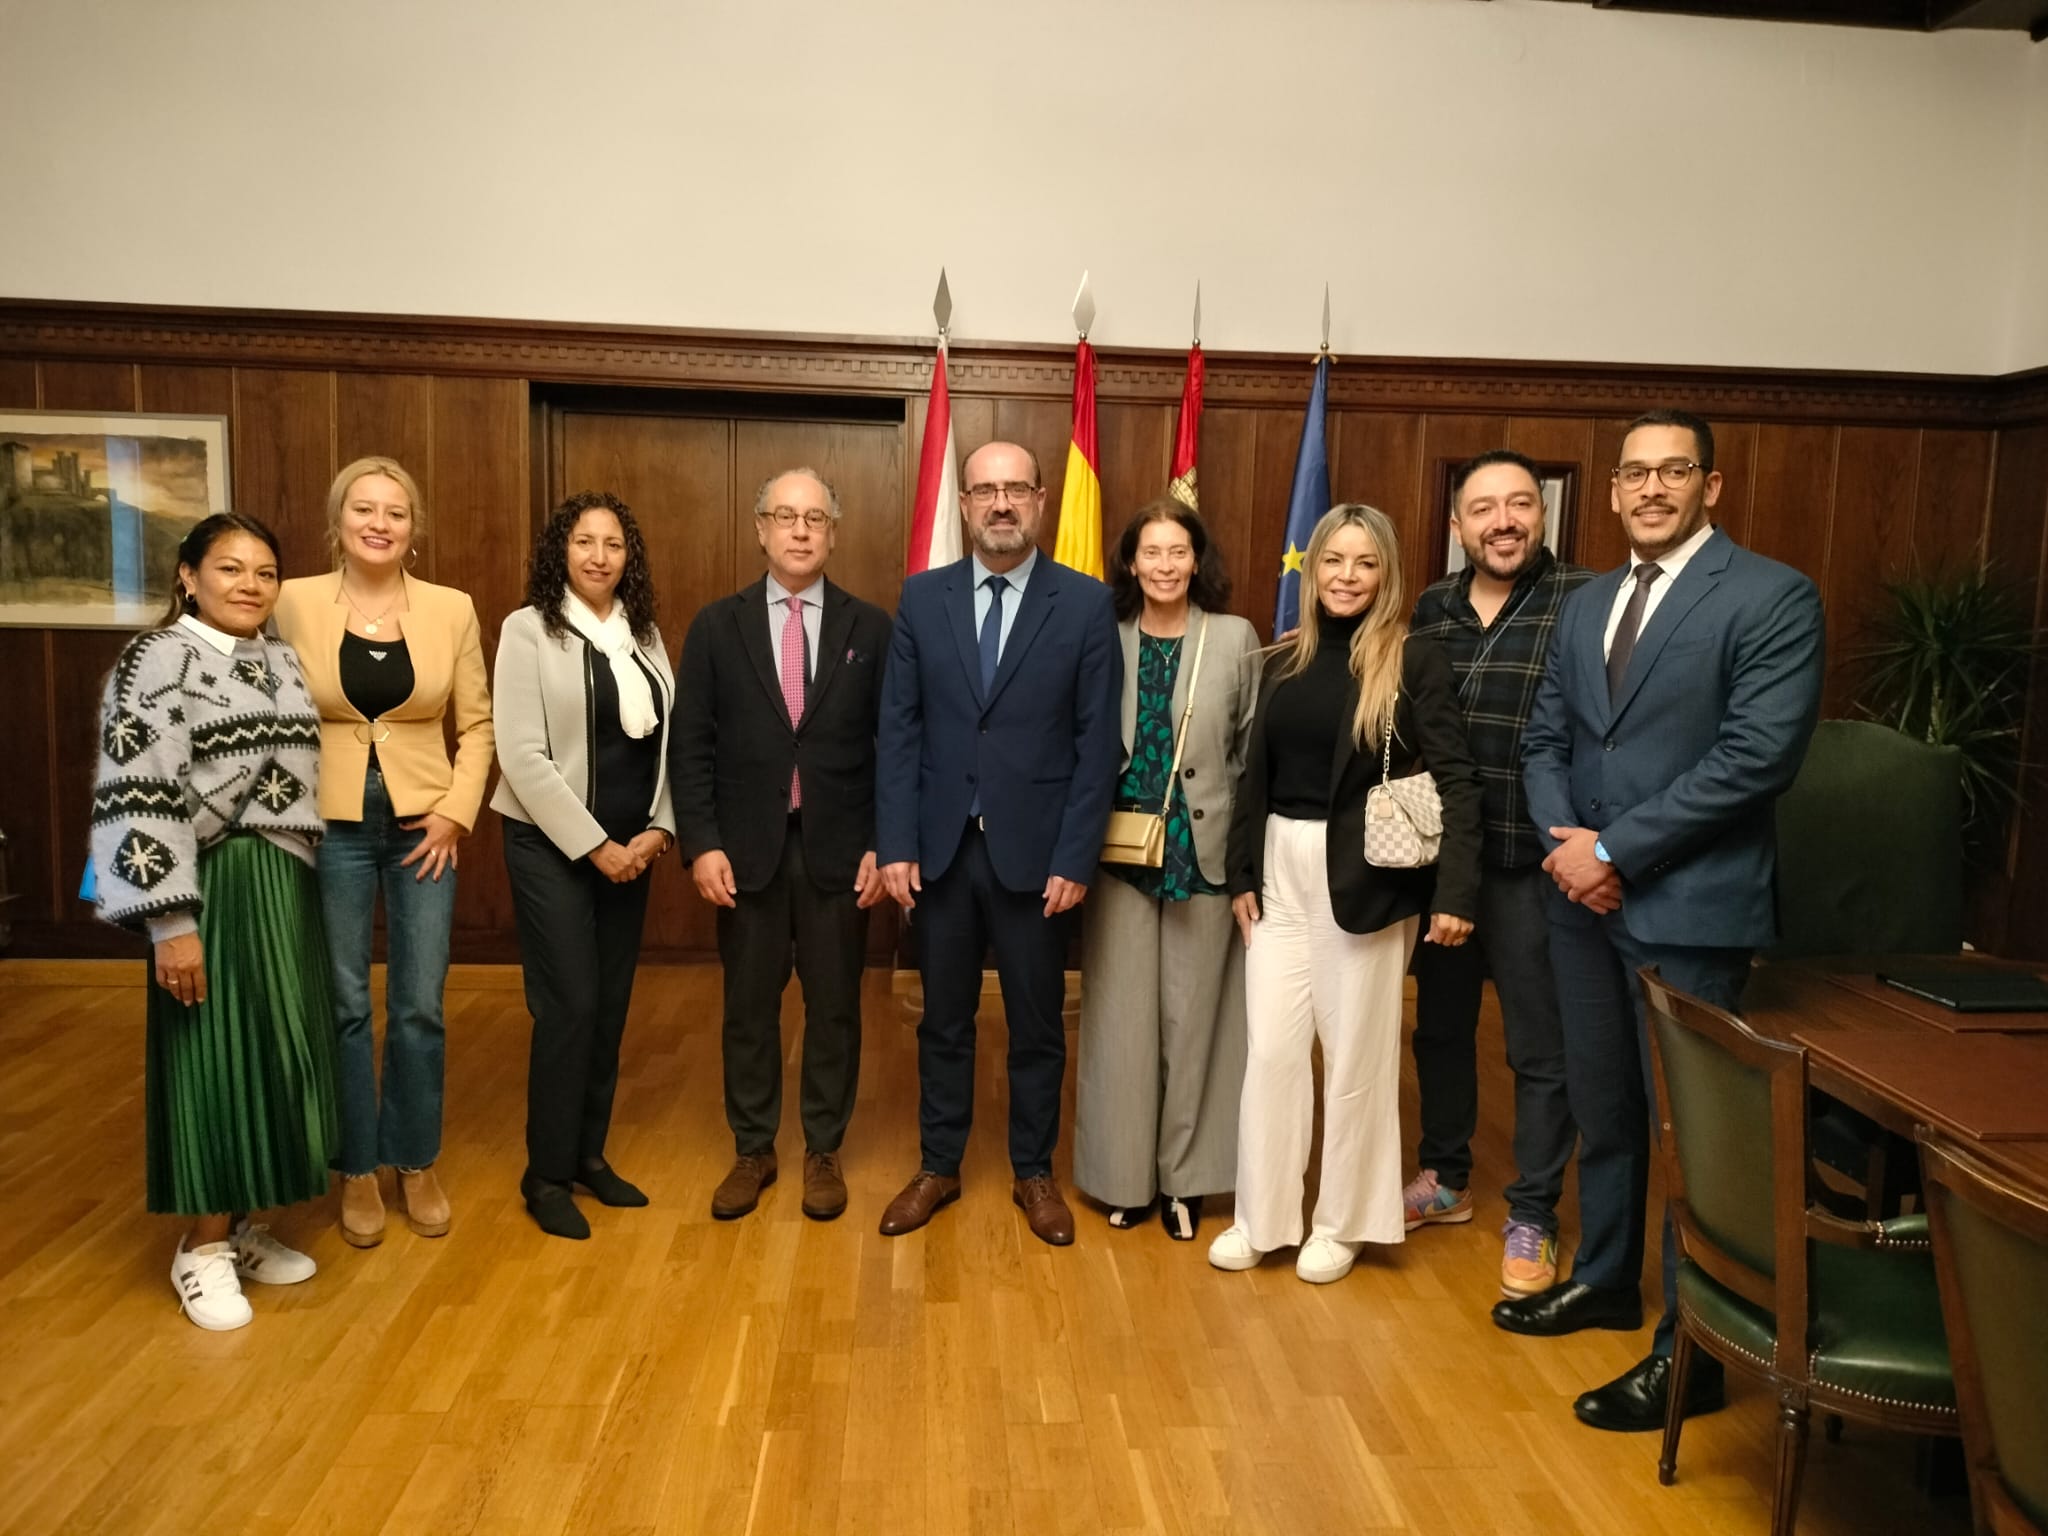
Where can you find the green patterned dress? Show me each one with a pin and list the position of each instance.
(1144, 782)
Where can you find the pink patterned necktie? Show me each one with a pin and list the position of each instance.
(793, 681)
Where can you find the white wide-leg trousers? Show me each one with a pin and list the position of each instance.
(1306, 979)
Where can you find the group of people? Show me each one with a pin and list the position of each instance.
(1605, 751)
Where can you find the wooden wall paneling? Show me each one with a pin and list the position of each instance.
(1563, 440)
(677, 474)
(80, 660)
(1794, 483)
(1600, 543)
(27, 777)
(1443, 437)
(2017, 545)
(282, 444)
(1273, 453)
(391, 415)
(1952, 497)
(1870, 543)
(70, 386)
(1046, 427)
(1134, 454)
(181, 391)
(1223, 485)
(478, 454)
(1376, 458)
(18, 383)
(1735, 458)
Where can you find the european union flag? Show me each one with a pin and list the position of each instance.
(1306, 503)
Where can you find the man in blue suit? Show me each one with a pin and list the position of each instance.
(997, 758)
(1676, 706)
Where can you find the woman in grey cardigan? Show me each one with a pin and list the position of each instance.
(1162, 982)
(583, 695)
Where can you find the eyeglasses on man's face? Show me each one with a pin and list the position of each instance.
(985, 495)
(813, 518)
(1673, 472)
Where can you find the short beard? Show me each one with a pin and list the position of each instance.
(1529, 556)
(1005, 540)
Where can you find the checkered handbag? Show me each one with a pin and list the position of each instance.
(1404, 818)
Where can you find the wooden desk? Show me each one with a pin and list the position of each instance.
(1887, 1060)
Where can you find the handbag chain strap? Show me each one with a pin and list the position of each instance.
(1387, 735)
(1181, 736)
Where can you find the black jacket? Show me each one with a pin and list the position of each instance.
(732, 747)
(1429, 733)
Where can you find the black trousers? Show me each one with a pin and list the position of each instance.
(579, 943)
(824, 934)
(957, 918)
(1511, 940)
(1607, 1060)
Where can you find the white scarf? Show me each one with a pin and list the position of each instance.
(613, 638)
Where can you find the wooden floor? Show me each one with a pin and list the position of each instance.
(775, 1375)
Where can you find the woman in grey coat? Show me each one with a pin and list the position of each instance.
(1162, 1045)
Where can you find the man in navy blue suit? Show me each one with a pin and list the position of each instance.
(1676, 706)
(997, 759)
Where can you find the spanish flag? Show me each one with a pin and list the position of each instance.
(1079, 544)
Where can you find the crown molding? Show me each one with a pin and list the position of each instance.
(553, 351)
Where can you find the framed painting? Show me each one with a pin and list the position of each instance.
(1560, 486)
(93, 507)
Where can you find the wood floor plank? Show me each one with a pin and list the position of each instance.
(780, 1377)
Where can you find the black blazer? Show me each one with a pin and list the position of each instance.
(1364, 898)
(732, 749)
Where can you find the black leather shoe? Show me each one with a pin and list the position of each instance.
(1569, 1306)
(603, 1181)
(1634, 1402)
(553, 1208)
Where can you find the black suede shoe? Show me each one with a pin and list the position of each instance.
(1569, 1306)
(609, 1188)
(553, 1208)
(1633, 1402)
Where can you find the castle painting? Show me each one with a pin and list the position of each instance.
(92, 508)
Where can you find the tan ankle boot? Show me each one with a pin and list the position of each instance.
(362, 1210)
(426, 1205)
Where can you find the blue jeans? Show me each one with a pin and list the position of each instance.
(357, 858)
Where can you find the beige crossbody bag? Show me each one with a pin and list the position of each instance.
(1139, 837)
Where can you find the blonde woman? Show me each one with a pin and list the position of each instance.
(387, 658)
(1328, 936)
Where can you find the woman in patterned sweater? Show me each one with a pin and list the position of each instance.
(204, 820)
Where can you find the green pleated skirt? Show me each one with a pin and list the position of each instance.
(240, 1088)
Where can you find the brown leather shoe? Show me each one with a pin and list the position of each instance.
(740, 1190)
(362, 1210)
(426, 1203)
(1039, 1198)
(922, 1196)
(824, 1186)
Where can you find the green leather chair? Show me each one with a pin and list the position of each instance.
(1870, 846)
(1836, 1315)
(1991, 1251)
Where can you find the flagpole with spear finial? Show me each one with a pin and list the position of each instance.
(935, 519)
(1077, 542)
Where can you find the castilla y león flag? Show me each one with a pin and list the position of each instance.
(1079, 544)
(1188, 434)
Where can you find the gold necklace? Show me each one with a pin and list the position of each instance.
(370, 624)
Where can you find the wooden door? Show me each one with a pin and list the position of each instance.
(691, 482)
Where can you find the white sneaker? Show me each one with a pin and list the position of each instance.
(204, 1279)
(1324, 1259)
(262, 1258)
(1234, 1250)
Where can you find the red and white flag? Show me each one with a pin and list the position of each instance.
(935, 526)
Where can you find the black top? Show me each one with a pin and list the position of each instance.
(1302, 721)
(623, 770)
(376, 675)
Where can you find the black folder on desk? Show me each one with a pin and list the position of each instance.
(1973, 991)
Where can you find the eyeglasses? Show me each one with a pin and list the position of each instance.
(985, 495)
(1673, 472)
(786, 517)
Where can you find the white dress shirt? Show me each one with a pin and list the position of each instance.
(1670, 565)
(1013, 595)
(813, 600)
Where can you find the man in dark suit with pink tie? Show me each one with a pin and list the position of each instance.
(1000, 745)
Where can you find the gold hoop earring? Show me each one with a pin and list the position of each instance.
(412, 556)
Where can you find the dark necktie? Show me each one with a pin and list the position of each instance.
(992, 632)
(1624, 645)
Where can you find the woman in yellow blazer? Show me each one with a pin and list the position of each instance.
(386, 657)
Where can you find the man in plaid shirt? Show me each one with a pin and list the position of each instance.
(1494, 619)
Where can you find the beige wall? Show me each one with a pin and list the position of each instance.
(1521, 178)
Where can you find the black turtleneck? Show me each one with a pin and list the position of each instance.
(1303, 718)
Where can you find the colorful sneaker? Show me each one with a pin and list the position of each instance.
(1528, 1263)
(262, 1258)
(209, 1293)
(1428, 1203)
